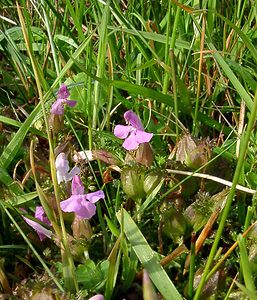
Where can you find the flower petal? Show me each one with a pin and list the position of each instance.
(95, 196)
(131, 142)
(143, 137)
(57, 107)
(87, 210)
(133, 120)
(62, 167)
(40, 215)
(41, 231)
(63, 92)
(71, 103)
(74, 171)
(72, 204)
(77, 187)
(61, 162)
(122, 131)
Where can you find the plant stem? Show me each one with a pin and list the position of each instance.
(68, 264)
(192, 267)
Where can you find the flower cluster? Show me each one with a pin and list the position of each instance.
(134, 133)
(83, 205)
(80, 203)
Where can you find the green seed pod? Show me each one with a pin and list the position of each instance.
(197, 157)
(193, 154)
(132, 180)
(151, 181)
(174, 224)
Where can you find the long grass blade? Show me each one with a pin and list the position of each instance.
(148, 258)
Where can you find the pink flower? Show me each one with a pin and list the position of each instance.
(79, 203)
(62, 95)
(97, 297)
(134, 133)
(62, 168)
(41, 230)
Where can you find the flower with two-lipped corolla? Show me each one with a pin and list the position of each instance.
(62, 98)
(83, 205)
(41, 230)
(134, 133)
(62, 168)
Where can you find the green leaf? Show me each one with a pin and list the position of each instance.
(12, 148)
(66, 39)
(92, 276)
(148, 257)
(21, 199)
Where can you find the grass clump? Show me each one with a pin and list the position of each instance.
(127, 149)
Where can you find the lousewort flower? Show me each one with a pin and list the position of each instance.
(83, 205)
(62, 95)
(97, 297)
(41, 230)
(62, 168)
(134, 133)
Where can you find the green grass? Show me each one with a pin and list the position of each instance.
(185, 68)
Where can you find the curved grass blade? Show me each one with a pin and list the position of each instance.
(7, 180)
(252, 295)
(232, 77)
(12, 148)
(16, 123)
(148, 257)
(156, 37)
(243, 36)
(114, 259)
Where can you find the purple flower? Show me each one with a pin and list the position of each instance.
(62, 168)
(97, 297)
(41, 215)
(134, 133)
(41, 230)
(62, 95)
(79, 203)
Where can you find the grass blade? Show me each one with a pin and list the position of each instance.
(148, 258)
(246, 268)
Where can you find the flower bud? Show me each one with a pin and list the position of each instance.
(132, 180)
(56, 123)
(106, 157)
(144, 155)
